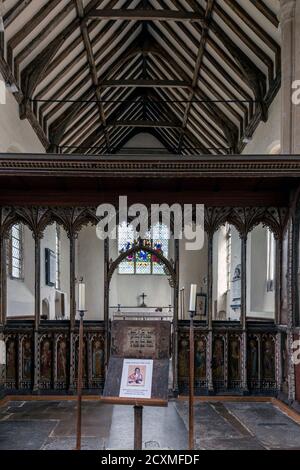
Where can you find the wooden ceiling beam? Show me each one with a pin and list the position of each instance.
(77, 41)
(201, 49)
(203, 132)
(17, 38)
(228, 107)
(254, 77)
(15, 11)
(266, 11)
(74, 78)
(251, 45)
(79, 125)
(145, 83)
(92, 65)
(187, 134)
(63, 122)
(142, 123)
(52, 25)
(33, 73)
(146, 15)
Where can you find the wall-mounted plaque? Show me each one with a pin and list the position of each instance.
(141, 339)
(50, 267)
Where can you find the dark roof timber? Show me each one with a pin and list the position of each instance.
(200, 68)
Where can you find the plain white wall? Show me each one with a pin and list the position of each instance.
(267, 134)
(192, 270)
(20, 293)
(260, 303)
(48, 292)
(90, 266)
(16, 135)
(222, 297)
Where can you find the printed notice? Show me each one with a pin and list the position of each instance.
(136, 381)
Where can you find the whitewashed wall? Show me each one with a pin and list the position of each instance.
(49, 292)
(267, 135)
(222, 297)
(192, 270)
(260, 302)
(90, 266)
(16, 135)
(20, 293)
(126, 289)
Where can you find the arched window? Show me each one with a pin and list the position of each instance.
(143, 262)
(16, 252)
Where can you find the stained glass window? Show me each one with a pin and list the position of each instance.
(143, 262)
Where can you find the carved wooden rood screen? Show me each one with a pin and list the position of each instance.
(235, 357)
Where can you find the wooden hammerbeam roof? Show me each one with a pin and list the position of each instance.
(199, 75)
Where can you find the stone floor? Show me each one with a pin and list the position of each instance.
(218, 425)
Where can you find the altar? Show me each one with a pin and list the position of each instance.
(141, 313)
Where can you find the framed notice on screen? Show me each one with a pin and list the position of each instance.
(136, 380)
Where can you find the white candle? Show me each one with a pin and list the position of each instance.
(193, 293)
(81, 296)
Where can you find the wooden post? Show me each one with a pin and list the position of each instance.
(210, 386)
(106, 304)
(37, 307)
(3, 279)
(243, 319)
(138, 427)
(72, 246)
(72, 238)
(278, 274)
(79, 383)
(37, 291)
(191, 384)
(175, 321)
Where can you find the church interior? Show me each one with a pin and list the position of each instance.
(164, 102)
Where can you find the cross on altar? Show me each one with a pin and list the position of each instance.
(143, 295)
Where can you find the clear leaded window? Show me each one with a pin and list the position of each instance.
(16, 251)
(143, 262)
(57, 257)
(228, 255)
(270, 260)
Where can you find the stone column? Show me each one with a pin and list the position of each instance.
(290, 47)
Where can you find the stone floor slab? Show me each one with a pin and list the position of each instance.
(24, 435)
(218, 425)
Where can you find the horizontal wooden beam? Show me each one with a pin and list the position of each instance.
(142, 123)
(146, 15)
(145, 83)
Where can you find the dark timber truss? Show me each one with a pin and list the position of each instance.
(198, 75)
